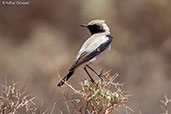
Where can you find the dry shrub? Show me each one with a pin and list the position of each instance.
(165, 105)
(12, 101)
(101, 97)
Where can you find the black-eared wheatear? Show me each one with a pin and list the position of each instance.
(93, 49)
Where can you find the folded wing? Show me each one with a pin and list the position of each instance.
(88, 54)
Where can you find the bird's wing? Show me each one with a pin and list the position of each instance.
(91, 48)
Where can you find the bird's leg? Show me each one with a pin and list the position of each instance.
(92, 80)
(99, 75)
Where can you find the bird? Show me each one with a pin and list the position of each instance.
(92, 50)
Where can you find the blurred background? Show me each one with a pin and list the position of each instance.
(41, 39)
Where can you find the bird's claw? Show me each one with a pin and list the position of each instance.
(100, 75)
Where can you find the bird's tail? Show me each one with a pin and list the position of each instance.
(71, 72)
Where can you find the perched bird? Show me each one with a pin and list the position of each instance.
(93, 49)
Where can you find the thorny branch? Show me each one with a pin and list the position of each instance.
(11, 100)
(165, 105)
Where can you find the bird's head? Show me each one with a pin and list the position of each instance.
(97, 26)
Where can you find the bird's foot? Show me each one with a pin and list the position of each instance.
(100, 75)
(92, 80)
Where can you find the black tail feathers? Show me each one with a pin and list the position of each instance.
(71, 72)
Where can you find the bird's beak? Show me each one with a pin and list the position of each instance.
(84, 25)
